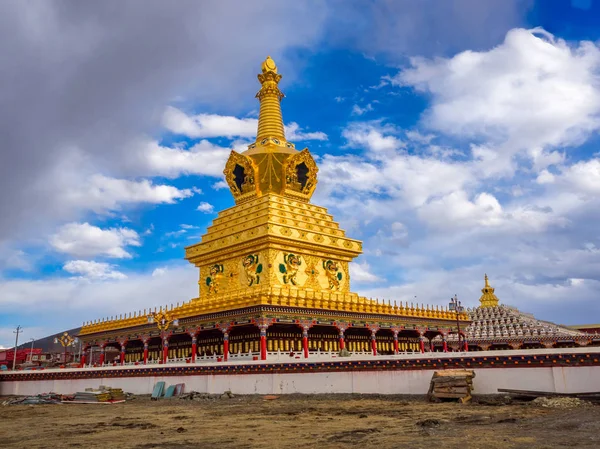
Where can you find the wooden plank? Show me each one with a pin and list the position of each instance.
(463, 390)
(449, 395)
(452, 381)
(465, 399)
(544, 393)
(454, 372)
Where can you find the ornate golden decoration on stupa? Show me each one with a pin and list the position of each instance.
(488, 298)
(271, 164)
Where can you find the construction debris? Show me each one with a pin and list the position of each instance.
(103, 394)
(529, 395)
(46, 398)
(559, 402)
(194, 395)
(451, 384)
(157, 391)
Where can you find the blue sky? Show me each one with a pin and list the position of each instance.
(453, 138)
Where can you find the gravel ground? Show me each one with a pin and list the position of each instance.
(323, 421)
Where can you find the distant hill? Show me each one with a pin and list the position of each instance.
(47, 344)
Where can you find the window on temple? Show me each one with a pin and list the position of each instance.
(239, 175)
(302, 174)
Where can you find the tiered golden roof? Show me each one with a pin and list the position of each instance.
(274, 247)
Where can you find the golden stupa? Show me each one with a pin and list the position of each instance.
(274, 255)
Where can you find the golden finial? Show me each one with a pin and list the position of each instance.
(270, 120)
(269, 65)
(487, 283)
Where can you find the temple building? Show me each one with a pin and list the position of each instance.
(274, 274)
(496, 326)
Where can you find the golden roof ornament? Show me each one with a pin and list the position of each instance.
(269, 65)
(488, 298)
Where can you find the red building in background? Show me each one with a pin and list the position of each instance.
(7, 356)
(587, 328)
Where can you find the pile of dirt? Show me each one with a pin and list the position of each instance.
(560, 402)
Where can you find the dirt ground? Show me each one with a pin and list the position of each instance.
(325, 421)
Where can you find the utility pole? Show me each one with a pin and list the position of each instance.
(18, 331)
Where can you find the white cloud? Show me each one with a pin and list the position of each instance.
(203, 158)
(90, 270)
(456, 209)
(371, 135)
(361, 272)
(11, 258)
(208, 125)
(293, 132)
(177, 233)
(159, 272)
(416, 136)
(213, 125)
(71, 301)
(100, 193)
(584, 177)
(205, 207)
(545, 177)
(380, 170)
(85, 240)
(220, 185)
(529, 94)
(399, 230)
(357, 110)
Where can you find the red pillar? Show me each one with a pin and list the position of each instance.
(225, 346)
(101, 355)
(165, 349)
(396, 349)
(122, 355)
(194, 348)
(305, 343)
(444, 344)
(373, 343)
(263, 325)
(342, 341)
(422, 344)
(466, 345)
(263, 345)
(82, 361)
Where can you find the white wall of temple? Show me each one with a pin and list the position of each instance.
(487, 381)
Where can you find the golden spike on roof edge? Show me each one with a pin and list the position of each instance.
(288, 297)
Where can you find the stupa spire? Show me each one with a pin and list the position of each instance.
(488, 298)
(270, 120)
